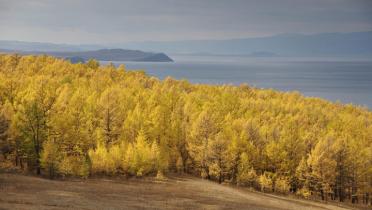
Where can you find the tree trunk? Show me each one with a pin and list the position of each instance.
(38, 169)
(322, 195)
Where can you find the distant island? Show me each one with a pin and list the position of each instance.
(101, 54)
(75, 59)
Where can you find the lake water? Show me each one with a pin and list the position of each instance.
(347, 81)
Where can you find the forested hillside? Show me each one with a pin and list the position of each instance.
(63, 119)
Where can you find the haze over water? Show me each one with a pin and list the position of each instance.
(344, 80)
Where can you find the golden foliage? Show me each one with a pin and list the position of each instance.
(81, 119)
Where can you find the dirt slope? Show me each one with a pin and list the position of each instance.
(25, 192)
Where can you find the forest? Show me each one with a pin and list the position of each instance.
(60, 119)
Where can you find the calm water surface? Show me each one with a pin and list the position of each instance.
(347, 81)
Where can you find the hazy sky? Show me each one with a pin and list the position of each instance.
(114, 21)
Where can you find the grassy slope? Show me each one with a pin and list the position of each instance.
(25, 192)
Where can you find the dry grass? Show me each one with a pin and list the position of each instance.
(27, 192)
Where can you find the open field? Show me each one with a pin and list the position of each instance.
(26, 192)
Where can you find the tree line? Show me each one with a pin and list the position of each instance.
(63, 119)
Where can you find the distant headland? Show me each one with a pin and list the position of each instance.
(101, 54)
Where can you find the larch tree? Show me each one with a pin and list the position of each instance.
(84, 119)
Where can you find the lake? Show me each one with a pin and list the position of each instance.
(335, 79)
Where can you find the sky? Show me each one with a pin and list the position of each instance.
(121, 21)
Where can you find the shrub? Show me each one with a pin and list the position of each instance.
(265, 182)
(141, 158)
(50, 158)
(108, 161)
(246, 174)
(74, 166)
(282, 185)
(304, 192)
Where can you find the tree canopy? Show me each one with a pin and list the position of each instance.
(69, 119)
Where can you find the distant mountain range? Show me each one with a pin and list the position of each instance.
(45, 47)
(324, 44)
(101, 54)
